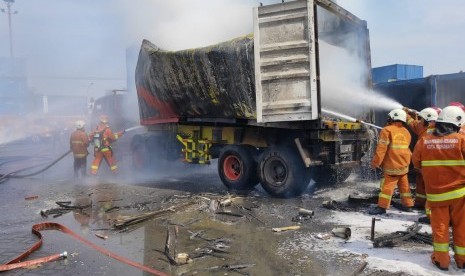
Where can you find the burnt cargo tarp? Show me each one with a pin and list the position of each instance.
(215, 82)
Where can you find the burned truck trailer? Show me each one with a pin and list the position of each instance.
(255, 102)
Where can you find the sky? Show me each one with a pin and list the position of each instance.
(79, 46)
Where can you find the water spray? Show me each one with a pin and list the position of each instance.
(132, 128)
(349, 118)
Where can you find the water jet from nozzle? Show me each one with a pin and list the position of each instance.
(347, 117)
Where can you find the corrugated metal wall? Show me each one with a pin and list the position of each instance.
(450, 88)
(411, 93)
(436, 90)
(396, 72)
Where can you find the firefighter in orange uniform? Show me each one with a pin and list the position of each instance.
(102, 138)
(78, 144)
(440, 157)
(420, 126)
(393, 157)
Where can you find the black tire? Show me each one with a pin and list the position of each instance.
(282, 172)
(237, 167)
(327, 175)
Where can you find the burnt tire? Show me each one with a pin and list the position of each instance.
(282, 172)
(327, 175)
(237, 167)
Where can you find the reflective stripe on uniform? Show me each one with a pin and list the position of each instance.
(435, 163)
(446, 196)
(104, 149)
(94, 167)
(76, 142)
(388, 197)
(396, 171)
(113, 168)
(428, 211)
(441, 247)
(459, 250)
(80, 155)
(116, 136)
(405, 195)
(421, 196)
(398, 146)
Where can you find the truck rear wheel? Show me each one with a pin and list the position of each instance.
(330, 175)
(237, 167)
(282, 172)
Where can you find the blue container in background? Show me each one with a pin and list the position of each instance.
(396, 72)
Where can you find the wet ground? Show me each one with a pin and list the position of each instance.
(222, 233)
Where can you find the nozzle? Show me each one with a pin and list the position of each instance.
(409, 110)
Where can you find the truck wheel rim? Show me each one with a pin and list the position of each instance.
(232, 167)
(275, 172)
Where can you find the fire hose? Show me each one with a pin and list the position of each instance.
(18, 263)
(4, 177)
(14, 174)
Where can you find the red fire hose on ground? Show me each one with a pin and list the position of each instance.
(18, 263)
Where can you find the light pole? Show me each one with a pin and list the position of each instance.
(8, 11)
(90, 104)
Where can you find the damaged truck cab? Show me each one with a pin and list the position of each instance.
(255, 102)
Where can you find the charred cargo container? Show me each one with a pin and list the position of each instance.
(255, 102)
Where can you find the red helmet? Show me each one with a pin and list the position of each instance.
(459, 104)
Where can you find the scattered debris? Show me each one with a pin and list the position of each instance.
(102, 236)
(229, 214)
(373, 222)
(342, 232)
(125, 221)
(286, 228)
(304, 215)
(306, 212)
(182, 258)
(31, 197)
(394, 239)
(334, 205)
(323, 236)
(67, 205)
(360, 269)
(170, 244)
(236, 268)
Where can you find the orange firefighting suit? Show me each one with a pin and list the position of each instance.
(78, 144)
(393, 156)
(104, 149)
(442, 163)
(419, 128)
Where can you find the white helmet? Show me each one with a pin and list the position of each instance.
(452, 115)
(80, 124)
(398, 115)
(429, 114)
